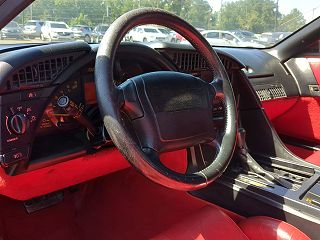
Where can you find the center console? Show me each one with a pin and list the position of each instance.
(244, 191)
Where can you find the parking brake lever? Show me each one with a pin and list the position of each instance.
(251, 164)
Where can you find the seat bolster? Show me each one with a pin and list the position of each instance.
(267, 228)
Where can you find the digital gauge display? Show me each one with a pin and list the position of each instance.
(90, 92)
(57, 113)
(123, 70)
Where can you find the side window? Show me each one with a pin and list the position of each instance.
(213, 35)
(229, 37)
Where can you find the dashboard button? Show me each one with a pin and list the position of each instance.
(29, 95)
(19, 123)
(13, 157)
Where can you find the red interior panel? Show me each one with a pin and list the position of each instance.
(315, 66)
(278, 107)
(300, 120)
(300, 152)
(314, 158)
(62, 175)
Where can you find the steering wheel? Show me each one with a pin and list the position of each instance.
(165, 111)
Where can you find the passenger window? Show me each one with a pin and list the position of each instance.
(228, 37)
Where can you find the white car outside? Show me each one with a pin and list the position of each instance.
(55, 31)
(226, 38)
(146, 34)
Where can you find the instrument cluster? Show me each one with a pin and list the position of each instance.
(64, 108)
(74, 104)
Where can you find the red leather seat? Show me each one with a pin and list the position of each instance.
(211, 223)
(267, 228)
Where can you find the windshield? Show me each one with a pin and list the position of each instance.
(11, 25)
(58, 25)
(31, 24)
(103, 28)
(150, 30)
(164, 31)
(245, 23)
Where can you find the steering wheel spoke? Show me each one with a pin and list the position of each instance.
(130, 103)
(217, 84)
(196, 161)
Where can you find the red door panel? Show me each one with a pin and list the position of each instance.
(298, 117)
(278, 107)
(315, 66)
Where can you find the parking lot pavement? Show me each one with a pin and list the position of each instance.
(16, 41)
(26, 41)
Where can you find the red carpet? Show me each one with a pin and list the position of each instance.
(123, 205)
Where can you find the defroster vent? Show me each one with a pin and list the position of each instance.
(41, 72)
(193, 62)
(189, 61)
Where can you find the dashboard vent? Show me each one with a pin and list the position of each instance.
(192, 61)
(189, 61)
(41, 72)
(270, 93)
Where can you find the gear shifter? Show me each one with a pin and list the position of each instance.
(250, 164)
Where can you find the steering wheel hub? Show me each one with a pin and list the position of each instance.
(172, 110)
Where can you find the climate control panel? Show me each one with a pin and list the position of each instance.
(18, 123)
(20, 114)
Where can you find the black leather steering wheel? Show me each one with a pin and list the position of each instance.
(164, 111)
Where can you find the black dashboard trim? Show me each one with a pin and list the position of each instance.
(154, 53)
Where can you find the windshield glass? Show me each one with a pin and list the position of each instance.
(150, 30)
(103, 28)
(11, 25)
(244, 23)
(31, 24)
(58, 25)
(164, 31)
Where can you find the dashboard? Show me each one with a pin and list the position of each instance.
(49, 110)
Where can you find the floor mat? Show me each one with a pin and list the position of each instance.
(123, 205)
